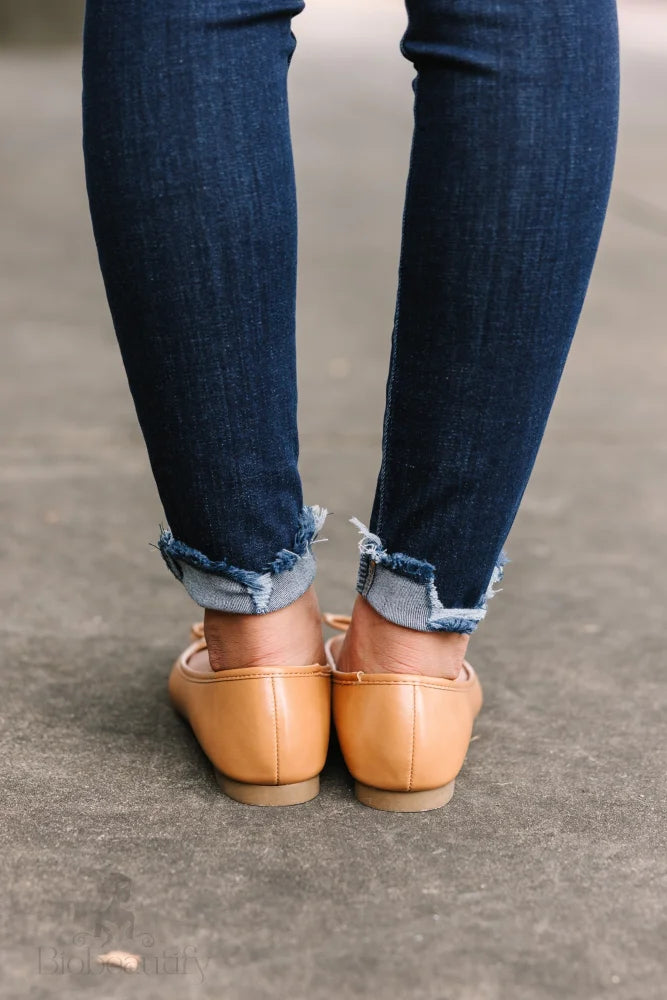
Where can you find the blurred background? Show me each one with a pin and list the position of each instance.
(545, 878)
(40, 22)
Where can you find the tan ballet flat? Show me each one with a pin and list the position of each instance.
(264, 729)
(403, 737)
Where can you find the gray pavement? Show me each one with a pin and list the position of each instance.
(546, 875)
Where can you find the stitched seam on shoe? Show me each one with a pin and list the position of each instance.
(192, 676)
(275, 716)
(432, 687)
(281, 672)
(414, 724)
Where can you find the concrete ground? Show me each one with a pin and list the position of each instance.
(546, 875)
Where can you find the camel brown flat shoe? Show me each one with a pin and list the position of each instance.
(264, 729)
(404, 737)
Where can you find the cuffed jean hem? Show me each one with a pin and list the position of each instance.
(402, 589)
(223, 587)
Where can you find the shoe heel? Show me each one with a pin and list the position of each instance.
(380, 798)
(268, 795)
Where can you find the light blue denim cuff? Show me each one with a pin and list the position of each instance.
(223, 587)
(402, 589)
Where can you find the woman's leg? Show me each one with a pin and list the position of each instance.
(191, 186)
(514, 140)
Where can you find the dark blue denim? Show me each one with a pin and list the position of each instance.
(191, 185)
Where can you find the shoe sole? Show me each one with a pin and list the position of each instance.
(269, 795)
(380, 798)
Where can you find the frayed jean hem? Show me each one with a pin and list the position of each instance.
(221, 586)
(402, 589)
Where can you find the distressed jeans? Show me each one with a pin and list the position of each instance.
(191, 186)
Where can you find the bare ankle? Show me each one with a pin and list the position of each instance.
(375, 645)
(291, 636)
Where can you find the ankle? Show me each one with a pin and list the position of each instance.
(291, 636)
(374, 645)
